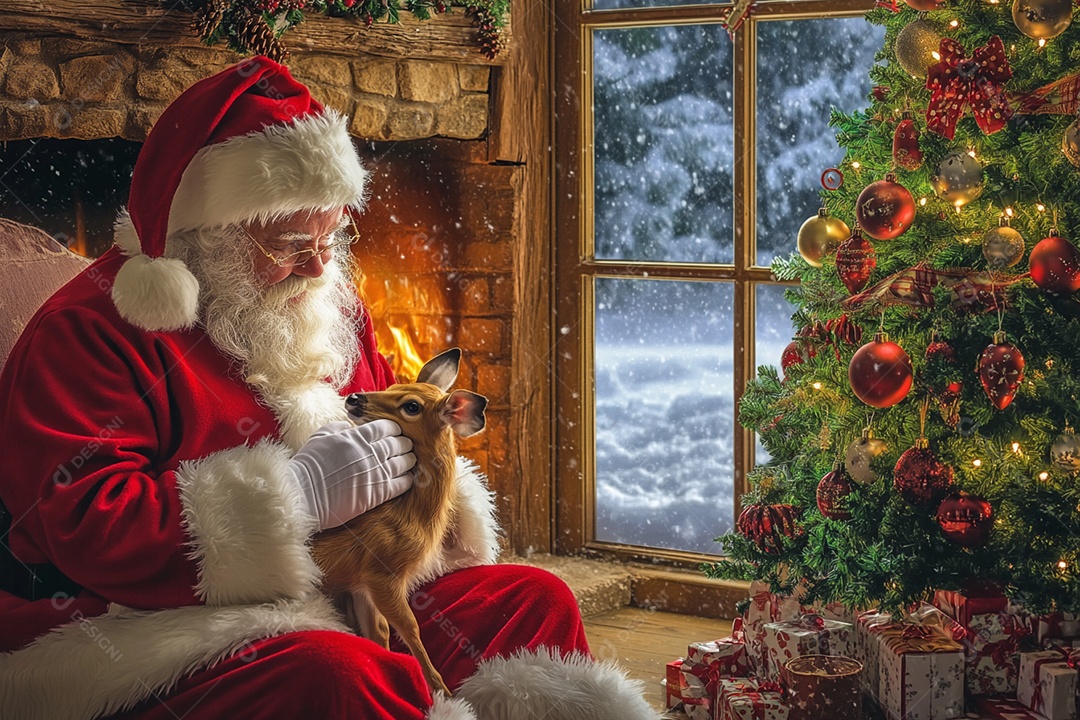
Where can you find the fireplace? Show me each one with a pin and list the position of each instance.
(441, 238)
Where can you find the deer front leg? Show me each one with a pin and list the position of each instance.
(371, 622)
(392, 600)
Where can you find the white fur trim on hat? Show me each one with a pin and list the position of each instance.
(96, 666)
(248, 525)
(308, 164)
(542, 684)
(155, 294)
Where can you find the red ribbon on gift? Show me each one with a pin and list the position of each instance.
(1038, 702)
(770, 686)
(958, 81)
(709, 675)
(810, 621)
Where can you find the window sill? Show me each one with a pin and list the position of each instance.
(601, 586)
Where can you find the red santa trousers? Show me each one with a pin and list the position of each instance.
(465, 617)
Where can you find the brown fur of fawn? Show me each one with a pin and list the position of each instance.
(376, 557)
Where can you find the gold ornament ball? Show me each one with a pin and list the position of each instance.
(1065, 452)
(917, 47)
(860, 454)
(1003, 247)
(1042, 19)
(1070, 143)
(958, 178)
(821, 235)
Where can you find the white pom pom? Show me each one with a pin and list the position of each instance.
(156, 294)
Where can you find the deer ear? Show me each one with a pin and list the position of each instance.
(464, 412)
(441, 370)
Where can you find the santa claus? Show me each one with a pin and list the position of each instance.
(173, 433)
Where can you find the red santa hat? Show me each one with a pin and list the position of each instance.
(247, 144)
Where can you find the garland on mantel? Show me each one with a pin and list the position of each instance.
(256, 26)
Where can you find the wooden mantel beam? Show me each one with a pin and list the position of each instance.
(447, 37)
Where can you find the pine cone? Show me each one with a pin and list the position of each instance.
(487, 34)
(258, 38)
(207, 18)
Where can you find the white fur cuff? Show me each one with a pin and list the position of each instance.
(248, 525)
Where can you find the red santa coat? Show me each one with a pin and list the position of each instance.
(143, 467)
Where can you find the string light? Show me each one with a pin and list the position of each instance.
(954, 24)
(1044, 476)
(977, 462)
(922, 201)
(855, 164)
(936, 55)
(1040, 207)
(1042, 42)
(1016, 447)
(816, 386)
(1062, 564)
(971, 152)
(1009, 211)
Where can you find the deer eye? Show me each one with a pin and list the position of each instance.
(412, 408)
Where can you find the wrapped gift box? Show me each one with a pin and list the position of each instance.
(921, 672)
(992, 650)
(752, 701)
(809, 635)
(673, 683)
(1047, 684)
(1056, 626)
(963, 608)
(1005, 709)
(867, 649)
(705, 665)
(765, 607)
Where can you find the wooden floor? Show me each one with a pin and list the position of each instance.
(644, 641)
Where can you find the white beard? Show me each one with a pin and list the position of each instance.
(286, 338)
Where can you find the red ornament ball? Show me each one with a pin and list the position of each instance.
(920, 477)
(1001, 370)
(885, 209)
(1055, 265)
(966, 519)
(880, 373)
(905, 145)
(796, 353)
(832, 494)
(855, 261)
(766, 525)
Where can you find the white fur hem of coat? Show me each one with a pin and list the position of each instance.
(542, 684)
(445, 708)
(105, 664)
(248, 526)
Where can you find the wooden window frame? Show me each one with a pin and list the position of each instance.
(575, 264)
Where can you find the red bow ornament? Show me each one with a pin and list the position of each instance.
(958, 81)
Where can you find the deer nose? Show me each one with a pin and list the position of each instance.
(354, 401)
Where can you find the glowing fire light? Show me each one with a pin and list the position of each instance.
(404, 359)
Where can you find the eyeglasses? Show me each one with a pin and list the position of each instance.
(301, 257)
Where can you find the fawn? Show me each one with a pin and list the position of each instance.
(376, 557)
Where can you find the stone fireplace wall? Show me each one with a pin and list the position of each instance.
(75, 88)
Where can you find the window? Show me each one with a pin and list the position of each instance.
(685, 162)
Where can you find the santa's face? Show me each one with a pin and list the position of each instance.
(289, 327)
(296, 233)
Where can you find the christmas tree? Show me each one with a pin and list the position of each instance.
(921, 432)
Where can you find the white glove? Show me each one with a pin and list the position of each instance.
(345, 469)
